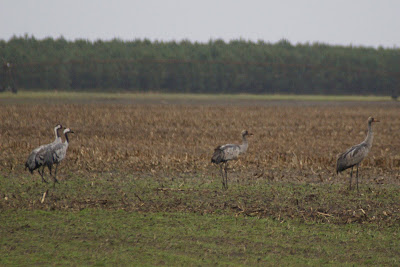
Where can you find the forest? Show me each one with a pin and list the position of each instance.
(238, 66)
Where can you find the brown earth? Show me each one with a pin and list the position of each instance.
(294, 144)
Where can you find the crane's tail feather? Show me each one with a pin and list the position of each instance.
(217, 157)
(29, 167)
(342, 164)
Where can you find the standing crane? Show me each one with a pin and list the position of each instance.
(56, 154)
(225, 153)
(35, 161)
(354, 155)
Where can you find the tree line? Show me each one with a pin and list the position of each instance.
(237, 66)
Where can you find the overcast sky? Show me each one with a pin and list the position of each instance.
(337, 22)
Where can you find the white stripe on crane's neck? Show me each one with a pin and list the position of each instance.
(56, 132)
(370, 136)
(58, 137)
(244, 145)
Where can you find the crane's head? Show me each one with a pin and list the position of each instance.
(245, 133)
(372, 119)
(68, 130)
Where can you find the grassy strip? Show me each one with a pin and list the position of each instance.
(117, 237)
(310, 203)
(101, 95)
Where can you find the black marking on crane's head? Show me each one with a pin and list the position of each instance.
(68, 130)
(372, 119)
(245, 133)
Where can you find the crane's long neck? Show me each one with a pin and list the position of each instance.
(56, 133)
(370, 136)
(244, 145)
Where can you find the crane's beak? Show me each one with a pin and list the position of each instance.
(250, 134)
(376, 120)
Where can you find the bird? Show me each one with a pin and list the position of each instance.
(223, 154)
(354, 155)
(34, 160)
(56, 154)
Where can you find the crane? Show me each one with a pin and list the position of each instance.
(354, 155)
(34, 160)
(223, 154)
(56, 154)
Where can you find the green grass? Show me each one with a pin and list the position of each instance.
(133, 219)
(101, 237)
(311, 203)
(180, 96)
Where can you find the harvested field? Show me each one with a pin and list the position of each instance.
(140, 149)
(137, 186)
(175, 139)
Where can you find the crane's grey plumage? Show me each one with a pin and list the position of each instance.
(225, 153)
(35, 160)
(56, 154)
(354, 155)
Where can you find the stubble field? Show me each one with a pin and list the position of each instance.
(152, 156)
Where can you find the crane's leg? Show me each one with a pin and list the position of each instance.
(222, 175)
(55, 174)
(41, 174)
(351, 177)
(226, 175)
(49, 166)
(357, 177)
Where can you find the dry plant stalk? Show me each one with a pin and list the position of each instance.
(290, 142)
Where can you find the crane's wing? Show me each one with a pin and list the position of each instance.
(36, 158)
(351, 157)
(40, 156)
(46, 146)
(231, 150)
(225, 153)
(53, 154)
(39, 148)
(32, 162)
(217, 157)
(58, 152)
